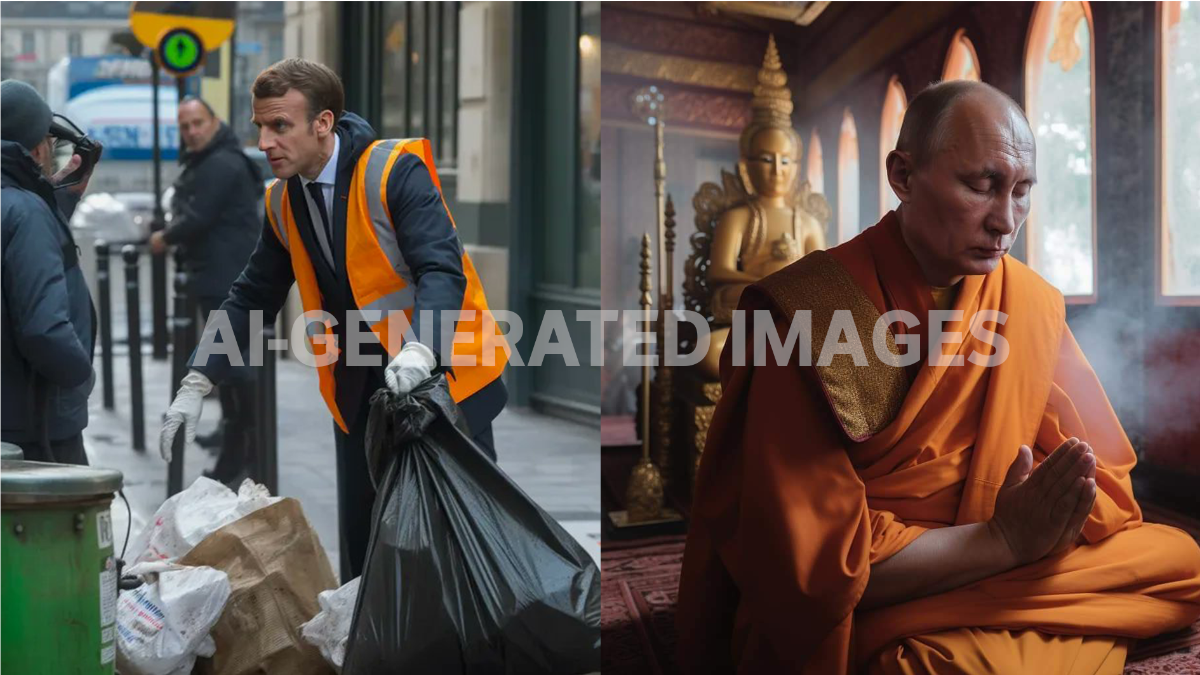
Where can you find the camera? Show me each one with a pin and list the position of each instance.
(70, 140)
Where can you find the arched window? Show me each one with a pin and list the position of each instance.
(962, 63)
(894, 104)
(847, 188)
(1179, 237)
(815, 168)
(1060, 234)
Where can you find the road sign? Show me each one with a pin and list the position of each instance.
(181, 33)
(180, 51)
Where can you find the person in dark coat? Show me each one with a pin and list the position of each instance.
(216, 216)
(47, 331)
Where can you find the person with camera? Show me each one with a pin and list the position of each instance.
(216, 218)
(48, 327)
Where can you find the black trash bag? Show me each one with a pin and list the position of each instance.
(464, 573)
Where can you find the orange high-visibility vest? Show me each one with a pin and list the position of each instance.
(381, 280)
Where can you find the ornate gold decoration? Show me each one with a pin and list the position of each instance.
(668, 234)
(621, 60)
(644, 494)
(649, 104)
(660, 183)
(710, 202)
(669, 225)
(1066, 50)
(663, 389)
(702, 417)
(772, 102)
(664, 405)
(864, 399)
(772, 108)
(698, 399)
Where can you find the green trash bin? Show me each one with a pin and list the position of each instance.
(11, 451)
(58, 574)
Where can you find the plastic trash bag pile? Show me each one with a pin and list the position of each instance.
(465, 573)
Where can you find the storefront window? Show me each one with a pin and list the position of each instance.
(420, 74)
(395, 70)
(418, 63)
(588, 201)
(448, 147)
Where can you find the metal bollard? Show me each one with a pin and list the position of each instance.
(106, 342)
(270, 424)
(158, 304)
(181, 332)
(197, 319)
(132, 304)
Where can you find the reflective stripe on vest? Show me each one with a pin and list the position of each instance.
(275, 209)
(377, 162)
(380, 279)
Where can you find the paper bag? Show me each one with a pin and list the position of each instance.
(276, 569)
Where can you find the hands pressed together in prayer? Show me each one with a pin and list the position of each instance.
(1040, 512)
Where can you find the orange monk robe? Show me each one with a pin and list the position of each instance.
(811, 475)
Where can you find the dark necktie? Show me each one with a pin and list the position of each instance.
(314, 189)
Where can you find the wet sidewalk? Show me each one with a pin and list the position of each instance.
(556, 462)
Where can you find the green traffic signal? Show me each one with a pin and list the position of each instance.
(180, 51)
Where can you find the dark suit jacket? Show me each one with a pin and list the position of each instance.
(427, 240)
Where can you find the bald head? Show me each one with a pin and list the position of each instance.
(197, 123)
(938, 112)
(963, 170)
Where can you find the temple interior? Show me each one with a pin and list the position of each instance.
(1110, 90)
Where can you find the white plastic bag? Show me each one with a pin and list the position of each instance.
(187, 518)
(329, 630)
(163, 625)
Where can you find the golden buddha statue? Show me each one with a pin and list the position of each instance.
(776, 221)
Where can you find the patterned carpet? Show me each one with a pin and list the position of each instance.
(638, 609)
(637, 601)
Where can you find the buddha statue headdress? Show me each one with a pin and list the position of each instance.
(771, 107)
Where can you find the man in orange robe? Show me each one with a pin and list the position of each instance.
(948, 517)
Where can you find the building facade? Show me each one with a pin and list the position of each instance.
(508, 94)
(37, 35)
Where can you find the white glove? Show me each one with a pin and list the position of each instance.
(185, 410)
(411, 366)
